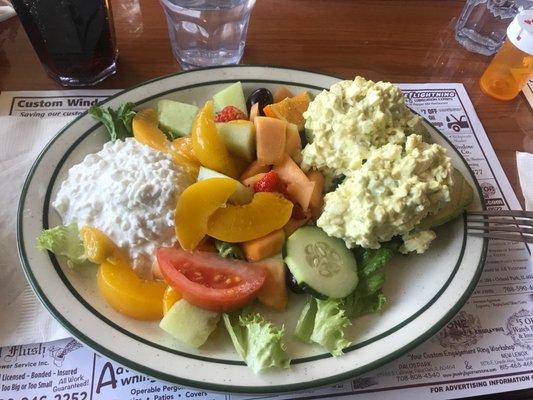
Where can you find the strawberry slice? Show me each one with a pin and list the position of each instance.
(271, 182)
(229, 113)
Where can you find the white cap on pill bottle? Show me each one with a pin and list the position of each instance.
(520, 31)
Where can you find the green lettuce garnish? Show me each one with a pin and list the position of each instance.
(118, 123)
(229, 250)
(368, 296)
(63, 240)
(324, 322)
(257, 341)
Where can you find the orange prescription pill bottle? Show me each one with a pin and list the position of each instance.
(512, 66)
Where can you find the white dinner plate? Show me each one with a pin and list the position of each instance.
(424, 291)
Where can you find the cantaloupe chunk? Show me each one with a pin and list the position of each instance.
(301, 193)
(290, 110)
(290, 172)
(299, 187)
(293, 143)
(270, 137)
(254, 111)
(250, 182)
(281, 94)
(294, 224)
(317, 198)
(263, 247)
(253, 169)
(273, 293)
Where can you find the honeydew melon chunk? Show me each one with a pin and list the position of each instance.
(233, 95)
(189, 324)
(242, 195)
(239, 138)
(176, 118)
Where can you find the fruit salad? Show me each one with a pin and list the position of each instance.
(195, 214)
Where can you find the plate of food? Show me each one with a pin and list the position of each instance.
(251, 229)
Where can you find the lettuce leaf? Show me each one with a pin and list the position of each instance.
(258, 341)
(229, 250)
(324, 322)
(63, 240)
(306, 321)
(368, 296)
(118, 123)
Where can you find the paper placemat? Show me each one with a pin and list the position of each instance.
(487, 348)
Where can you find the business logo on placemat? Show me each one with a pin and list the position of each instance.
(13, 353)
(520, 328)
(462, 332)
(487, 189)
(59, 353)
(428, 94)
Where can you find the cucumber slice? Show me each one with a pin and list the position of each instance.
(321, 263)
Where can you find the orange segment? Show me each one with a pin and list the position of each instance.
(207, 144)
(195, 206)
(98, 247)
(184, 147)
(290, 109)
(146, 131)
(128, 294)
(169, 298)
(191, 166)
(266, 213)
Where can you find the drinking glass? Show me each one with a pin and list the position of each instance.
(74, 39)
(481, 27)
(207, 32)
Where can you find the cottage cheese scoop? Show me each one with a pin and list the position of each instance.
(129, 192)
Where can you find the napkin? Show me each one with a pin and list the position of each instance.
(23, 319)
(524, 164)
(6, 10)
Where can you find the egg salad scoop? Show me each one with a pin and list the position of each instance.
(347, 122)
(392, 178)
(389, 195)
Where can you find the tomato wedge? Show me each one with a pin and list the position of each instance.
(210, 281)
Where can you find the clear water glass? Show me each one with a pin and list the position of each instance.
(205, 33)
(482, 25)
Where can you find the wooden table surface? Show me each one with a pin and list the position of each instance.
(398, 41)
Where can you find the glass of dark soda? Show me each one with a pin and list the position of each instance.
(74, 39)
